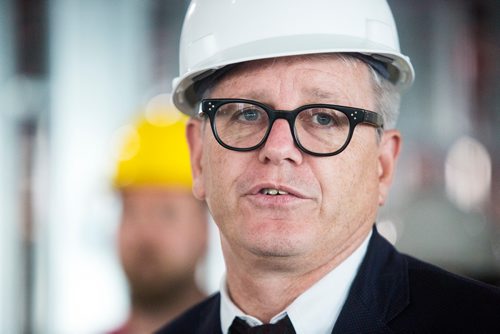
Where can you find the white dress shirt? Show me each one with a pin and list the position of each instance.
(313, 312)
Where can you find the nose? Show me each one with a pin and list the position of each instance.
(280, 146)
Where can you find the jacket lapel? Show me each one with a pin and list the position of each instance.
(379, 292)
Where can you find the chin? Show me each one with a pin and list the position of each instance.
(280, 245)
(274, 252)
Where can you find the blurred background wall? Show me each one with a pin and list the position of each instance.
(73, 72)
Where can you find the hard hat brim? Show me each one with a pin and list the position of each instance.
(185, 98)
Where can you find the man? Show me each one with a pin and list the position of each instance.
(293, 148)
(163, 229)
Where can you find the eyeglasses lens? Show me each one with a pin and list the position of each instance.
(244, 125)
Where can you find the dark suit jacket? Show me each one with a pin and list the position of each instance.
(392, 293)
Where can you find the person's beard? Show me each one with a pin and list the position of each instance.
(154, 284)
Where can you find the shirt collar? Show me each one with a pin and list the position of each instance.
(314, 311)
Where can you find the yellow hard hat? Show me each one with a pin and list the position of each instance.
(154, 150)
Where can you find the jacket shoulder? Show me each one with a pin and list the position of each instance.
(201, 318)
(440, 299)
(442, 285)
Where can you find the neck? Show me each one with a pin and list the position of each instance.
(263, 289)
(146, 319)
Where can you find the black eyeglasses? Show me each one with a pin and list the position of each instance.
(317, 129)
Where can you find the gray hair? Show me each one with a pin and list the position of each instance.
(387, 99)
(387, 95)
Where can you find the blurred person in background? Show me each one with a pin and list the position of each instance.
(163, 230)
(293, 146)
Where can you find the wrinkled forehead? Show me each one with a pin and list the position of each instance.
(323, 78)
(349, 59)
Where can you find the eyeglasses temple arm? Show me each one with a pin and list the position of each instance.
(373, 118)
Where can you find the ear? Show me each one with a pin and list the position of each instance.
(193, 135)
(389, 149)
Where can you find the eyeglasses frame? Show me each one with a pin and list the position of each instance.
(356, 116)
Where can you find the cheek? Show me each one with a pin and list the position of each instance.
(188, 245)
(125, 236)
(363, 183)
(128, 244)
(350, 187)
(188, 235)
(222, 169)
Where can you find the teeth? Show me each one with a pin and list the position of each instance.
(273, 192)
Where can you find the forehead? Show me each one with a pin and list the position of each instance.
(309, 79)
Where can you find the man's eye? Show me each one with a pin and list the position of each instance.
(323, 119)
(249, 115)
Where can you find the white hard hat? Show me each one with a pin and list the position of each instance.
(217, 33)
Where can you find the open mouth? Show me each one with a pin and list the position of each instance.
(273, 192)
